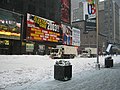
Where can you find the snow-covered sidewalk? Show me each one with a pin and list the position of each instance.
(25, 70)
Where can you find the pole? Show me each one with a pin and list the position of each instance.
(97, 32)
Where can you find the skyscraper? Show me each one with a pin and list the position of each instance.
(111, 21)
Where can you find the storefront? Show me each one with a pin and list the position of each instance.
(10, 32)
(4, 47)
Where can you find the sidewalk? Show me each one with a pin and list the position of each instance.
(103, 79)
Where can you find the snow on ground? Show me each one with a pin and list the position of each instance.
(25, 70)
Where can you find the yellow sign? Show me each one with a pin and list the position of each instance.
(41, 22)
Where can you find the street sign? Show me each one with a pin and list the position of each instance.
(90, 23)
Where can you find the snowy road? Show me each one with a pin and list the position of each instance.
(104, 79)
(37, 73)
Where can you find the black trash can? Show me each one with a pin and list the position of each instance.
(62, 73)
(108, 62)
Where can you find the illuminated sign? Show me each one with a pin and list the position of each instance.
(10, 25)
(41, 29)
(4, 42)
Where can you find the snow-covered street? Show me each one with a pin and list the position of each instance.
(105, 79)
(34, 72)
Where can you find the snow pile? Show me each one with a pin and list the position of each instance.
(19, 70)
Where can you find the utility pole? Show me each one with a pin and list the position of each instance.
(97, 32)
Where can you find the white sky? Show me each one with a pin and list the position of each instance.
(101, 0)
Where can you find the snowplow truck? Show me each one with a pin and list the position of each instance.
(63, 52)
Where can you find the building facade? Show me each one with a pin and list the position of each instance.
(78, 13)
(57, 11)
(111, 21)
(88, 37)
(108, 23)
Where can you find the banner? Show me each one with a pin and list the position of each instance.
(75, 37)
(67, 34)
(65, 11)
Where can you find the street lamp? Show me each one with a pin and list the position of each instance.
(97, 43)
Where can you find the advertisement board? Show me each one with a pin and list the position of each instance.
(75, 37)
(29, 47)
(89, 9)
(10, 25)
(65, 11)
(42, 29)
(67, 34)
(41, 49)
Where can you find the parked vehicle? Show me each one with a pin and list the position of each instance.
(63, 51)
(89, 52)
(85, 53)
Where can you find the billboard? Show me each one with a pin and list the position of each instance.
(10, 25)
(65, 11)
(89, 8)
(67, 34)
(75, 37)
(42, 29)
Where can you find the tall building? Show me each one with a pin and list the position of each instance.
(108, 22)
(54, 11)
(102, 35)
(78, 13)
(111, 21)
(47, 9)
(88, 37)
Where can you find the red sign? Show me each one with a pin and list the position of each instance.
(65, 11)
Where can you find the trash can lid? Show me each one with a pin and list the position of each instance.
(108, 57)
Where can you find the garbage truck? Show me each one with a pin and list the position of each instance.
(63, 51)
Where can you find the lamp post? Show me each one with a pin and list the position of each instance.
(97, 43)
(97, 31)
